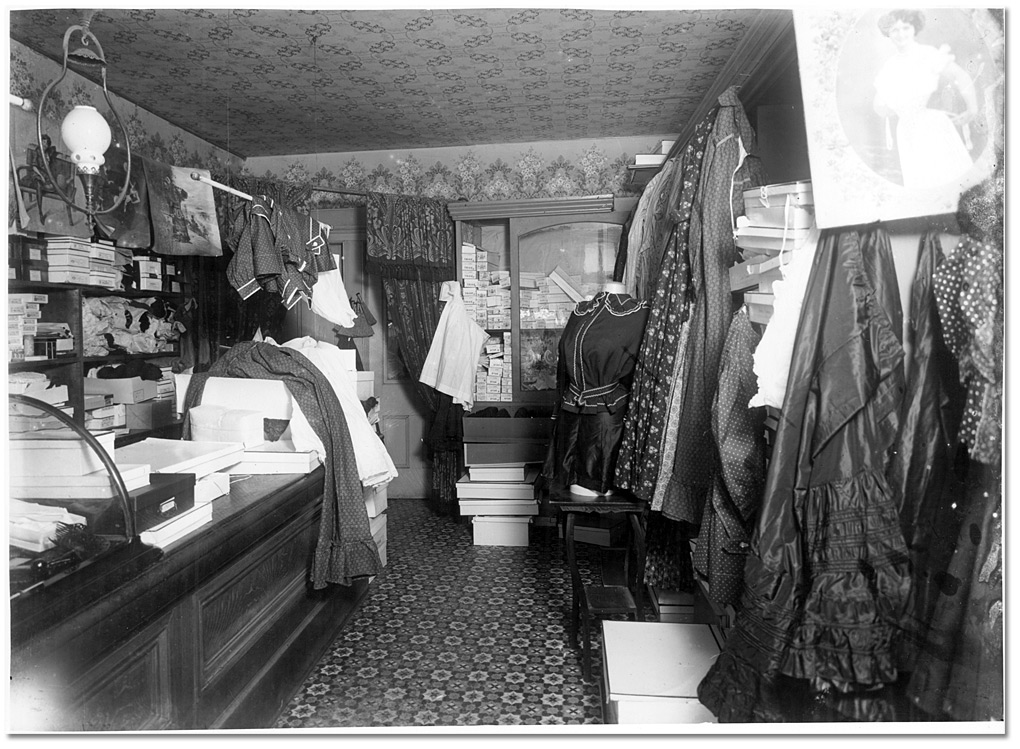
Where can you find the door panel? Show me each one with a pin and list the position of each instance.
(401, 414)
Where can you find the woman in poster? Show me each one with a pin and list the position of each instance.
(931, 149)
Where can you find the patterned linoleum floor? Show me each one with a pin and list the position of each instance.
(452, 634)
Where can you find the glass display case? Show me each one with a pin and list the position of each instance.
(521, 276)
(558, 265)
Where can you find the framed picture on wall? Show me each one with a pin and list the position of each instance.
(903, 108)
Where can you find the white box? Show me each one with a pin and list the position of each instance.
(123, 390)
(211, 423)
(500, 531)
(376, 500)
(651, 671)
(499, 507)
(377, 525)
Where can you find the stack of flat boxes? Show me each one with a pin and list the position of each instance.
(501, 511)
(23, 313)
(102, 414)
(778, 220)
(493, 378)
(102, 271)
(149, 271)
(487, 297)
(545, 304)
(68, 260)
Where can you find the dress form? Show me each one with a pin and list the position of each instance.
(611, 287)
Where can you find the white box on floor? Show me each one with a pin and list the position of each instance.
(375, 499)
(500, 531)
(491, 507)
(651, 671)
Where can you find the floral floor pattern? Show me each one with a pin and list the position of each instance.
(452, 634)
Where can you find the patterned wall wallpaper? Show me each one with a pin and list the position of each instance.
(150, 135)
(545, 169)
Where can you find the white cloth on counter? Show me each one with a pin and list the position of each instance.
(453, 357)
(330, 299)
(375, 466)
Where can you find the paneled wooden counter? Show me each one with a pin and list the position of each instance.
(218, 631)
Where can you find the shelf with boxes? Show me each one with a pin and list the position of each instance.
(778, 222)
(75, 307)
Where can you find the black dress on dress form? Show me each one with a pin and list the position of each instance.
(597, 357)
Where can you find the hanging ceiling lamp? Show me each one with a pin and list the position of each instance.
(85, 132)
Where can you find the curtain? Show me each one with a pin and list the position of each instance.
(411, 247)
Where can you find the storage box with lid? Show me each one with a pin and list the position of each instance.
(651, 671)
(506, 530)
(123, 390)
(788, 204)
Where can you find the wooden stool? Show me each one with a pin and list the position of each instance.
(588, 601)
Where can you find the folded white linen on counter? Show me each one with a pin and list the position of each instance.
(375, 466)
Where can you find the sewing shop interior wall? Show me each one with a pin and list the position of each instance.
(508, 171)
(151, 136)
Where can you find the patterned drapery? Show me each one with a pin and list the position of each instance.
(411, 248)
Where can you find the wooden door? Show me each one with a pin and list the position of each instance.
(402, 420)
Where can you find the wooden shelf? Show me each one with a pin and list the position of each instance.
(28, 366)
(65, 305)
(124, 356)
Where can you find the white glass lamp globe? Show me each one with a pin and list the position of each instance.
(87, 136)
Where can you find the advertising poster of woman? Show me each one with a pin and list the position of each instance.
(902, 108)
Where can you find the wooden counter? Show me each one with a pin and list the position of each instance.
(218, 631)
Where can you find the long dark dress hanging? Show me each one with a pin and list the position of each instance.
(827, 575)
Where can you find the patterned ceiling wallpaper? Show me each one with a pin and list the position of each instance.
(274, 82)
(150, 135)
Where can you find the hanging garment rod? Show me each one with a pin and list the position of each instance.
(226, 188)
(220, 186)
(18, 101)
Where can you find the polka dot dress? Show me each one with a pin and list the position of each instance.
(968, 291)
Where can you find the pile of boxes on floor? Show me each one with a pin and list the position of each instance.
(29, 338)
(172, 484)
(502, 456)
(75, 260)
(778, 220)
